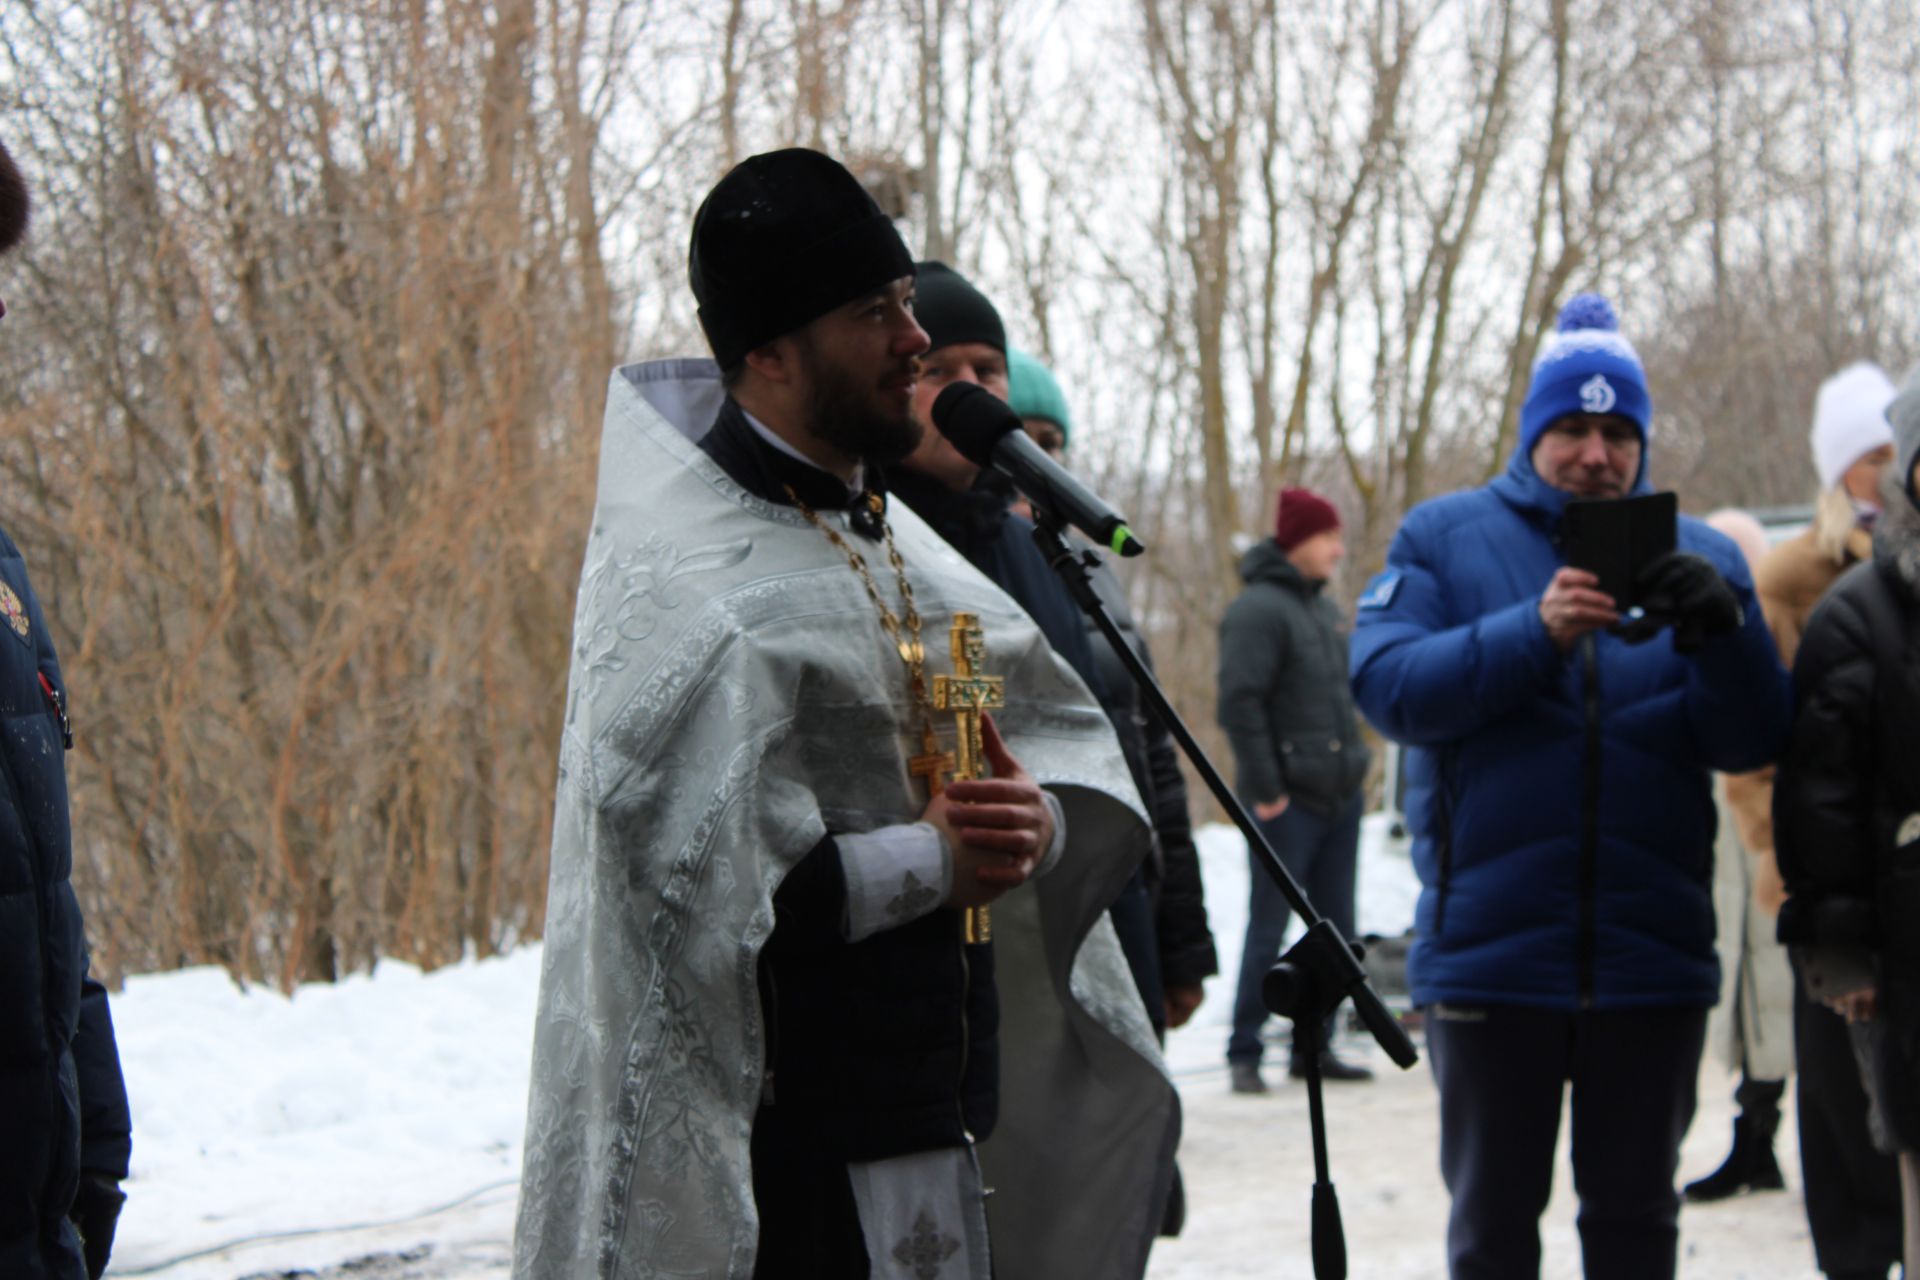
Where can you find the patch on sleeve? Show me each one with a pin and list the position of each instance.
(1381, 591)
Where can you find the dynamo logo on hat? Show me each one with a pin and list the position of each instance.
(1597, 396)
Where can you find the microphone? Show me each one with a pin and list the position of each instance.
(988, 433)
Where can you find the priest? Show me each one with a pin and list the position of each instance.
(828, 988)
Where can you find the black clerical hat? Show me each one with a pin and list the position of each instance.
(785, 237)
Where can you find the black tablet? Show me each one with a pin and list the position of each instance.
(1615, 538)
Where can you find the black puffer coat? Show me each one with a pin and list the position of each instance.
(57, 1053)
(1284, 699)
(1846, 801)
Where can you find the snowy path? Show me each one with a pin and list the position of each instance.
(1249, 1166)
(371, 1131)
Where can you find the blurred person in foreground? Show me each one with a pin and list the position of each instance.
(1751, 1029)
(1300, 761)
(1560, 794)
(767, 1045)
(1851, 1191)
(1847, 818)
(65, 1134)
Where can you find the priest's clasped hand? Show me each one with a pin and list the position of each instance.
(999, 828)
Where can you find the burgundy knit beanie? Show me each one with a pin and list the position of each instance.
(1303, 513)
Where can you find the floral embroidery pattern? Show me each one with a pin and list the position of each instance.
(913, 899)
(612, 613)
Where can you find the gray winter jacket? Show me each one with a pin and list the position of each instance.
(1284, 697)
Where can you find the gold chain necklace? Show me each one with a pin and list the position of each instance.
(906, 639)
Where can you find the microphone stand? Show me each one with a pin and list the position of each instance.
(1319, 970)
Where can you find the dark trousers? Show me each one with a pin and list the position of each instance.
(1852, 1191)
(1503, 1071)
(1322, 852)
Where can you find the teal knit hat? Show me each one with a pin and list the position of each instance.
(1032, 392)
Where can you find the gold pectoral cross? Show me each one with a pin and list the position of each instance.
(932, 763)
(969, 693)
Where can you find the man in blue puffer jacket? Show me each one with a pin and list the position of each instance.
(1560, 797)
(64, 1132)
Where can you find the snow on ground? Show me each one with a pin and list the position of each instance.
(377, 1098)
(372, 1130)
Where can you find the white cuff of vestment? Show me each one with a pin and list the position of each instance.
(894, 876)
(897, 874)
(1059, 845)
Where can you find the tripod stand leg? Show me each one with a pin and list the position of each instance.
(1329, 1234)
(1329, 1237)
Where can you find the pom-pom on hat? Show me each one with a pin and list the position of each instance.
(1850, 419)
(784, 238)
(952, 311)
(1303, 513)
(1585, 366)
(1033, 393)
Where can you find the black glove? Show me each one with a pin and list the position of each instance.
(1686, 592)
(95, 1214)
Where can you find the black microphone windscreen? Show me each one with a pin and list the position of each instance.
(973, 419)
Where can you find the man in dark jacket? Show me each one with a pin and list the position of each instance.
(1846, 809)
(1183, 955)
(1561, 802)
(64, 1132)
(971, 509)
(1289, 716)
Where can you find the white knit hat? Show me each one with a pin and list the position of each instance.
(1850, 419)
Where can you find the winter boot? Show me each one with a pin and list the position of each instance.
(1334, 1069)
(1750, 1166)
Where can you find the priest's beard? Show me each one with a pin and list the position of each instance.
(855, 416)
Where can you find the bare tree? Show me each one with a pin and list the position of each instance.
(331, 326)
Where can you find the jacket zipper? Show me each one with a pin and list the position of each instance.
(1589, 817)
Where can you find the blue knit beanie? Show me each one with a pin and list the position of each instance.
(1032, 392)
(1586, 366)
